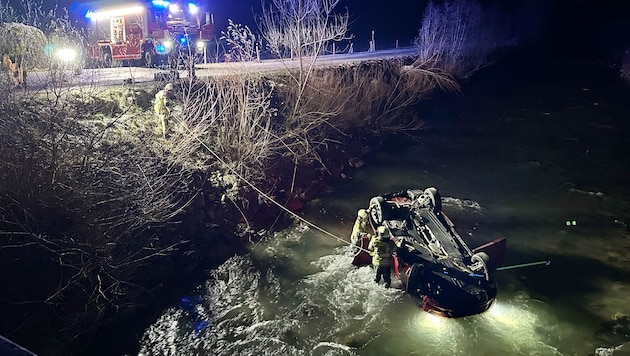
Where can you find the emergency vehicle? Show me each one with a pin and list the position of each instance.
(147, 32)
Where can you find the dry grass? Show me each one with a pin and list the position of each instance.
(81, 191)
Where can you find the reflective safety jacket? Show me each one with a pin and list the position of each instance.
(161, 105)
(360, 227)
(381, 250)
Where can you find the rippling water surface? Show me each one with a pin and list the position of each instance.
(545, 166)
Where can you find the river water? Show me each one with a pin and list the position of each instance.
(541, 160)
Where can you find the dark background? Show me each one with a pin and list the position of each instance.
(556, 29)
(588, 29)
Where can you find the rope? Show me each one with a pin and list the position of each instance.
(349, 243)
(546, 263)
(263, 194)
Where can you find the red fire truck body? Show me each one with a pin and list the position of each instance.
(145, 33)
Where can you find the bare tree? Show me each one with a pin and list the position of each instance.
(241, 42)
(7, 13)
(455, 37)
(302, 28)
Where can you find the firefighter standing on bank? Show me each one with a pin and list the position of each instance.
(381, 248)
(162, 106)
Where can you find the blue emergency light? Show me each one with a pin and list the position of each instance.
(193, 9)
(161, 3)
(160, 49)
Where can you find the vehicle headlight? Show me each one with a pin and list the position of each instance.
(67, 55)
(201, 44)
(168, 44)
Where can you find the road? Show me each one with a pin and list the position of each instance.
(272, 65)
(120, 75)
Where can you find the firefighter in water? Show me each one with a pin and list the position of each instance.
(381, 248)
(360, 226)
(162, 106)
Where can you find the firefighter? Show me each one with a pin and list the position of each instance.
(360, 226)
(13, 62)
(381, 248)
(162, 106)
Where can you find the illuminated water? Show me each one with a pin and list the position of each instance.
(521, 166)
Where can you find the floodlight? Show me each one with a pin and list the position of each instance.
(67, 55)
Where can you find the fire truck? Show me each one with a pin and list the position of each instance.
(147, 32)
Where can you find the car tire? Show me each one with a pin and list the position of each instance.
(436, 199)
(378, 210)
(482, 258)
(106, 59)
(147, 58)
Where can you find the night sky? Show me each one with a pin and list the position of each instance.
(587, 28)
(391, 20)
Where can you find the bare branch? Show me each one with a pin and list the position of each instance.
(456, 37)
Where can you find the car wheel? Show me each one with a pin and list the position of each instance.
(436, 200)
(148, 59)
(106, 59)
(482, 258)
(377, 211)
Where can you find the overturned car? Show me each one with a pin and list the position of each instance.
(432, 261)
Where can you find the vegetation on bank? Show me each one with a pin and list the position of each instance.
(98, 211)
